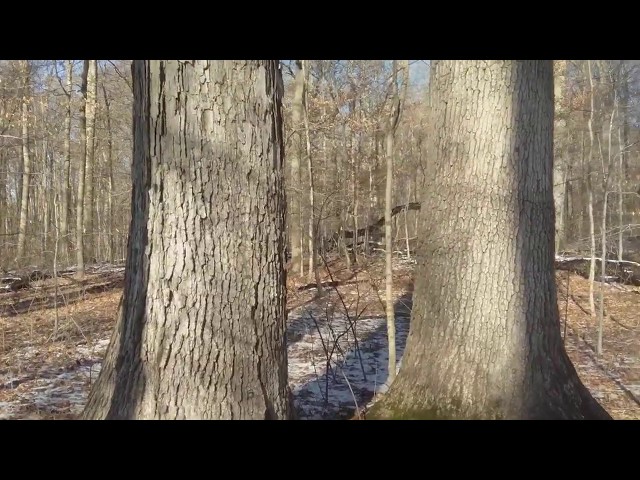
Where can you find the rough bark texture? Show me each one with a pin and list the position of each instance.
(485, 335)
(202, 329)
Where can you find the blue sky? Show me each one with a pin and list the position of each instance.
(418, 72)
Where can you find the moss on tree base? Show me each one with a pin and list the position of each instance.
(393, 409)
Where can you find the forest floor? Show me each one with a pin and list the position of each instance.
(337, 343)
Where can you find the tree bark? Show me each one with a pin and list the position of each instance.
(66, 183)
(313, 227)
(90, 116)
(295, 210)
(4, 208)
(621, 153)
(592, 230)
(81, 177)
(560, 163)
(390, 133)
(109, 162)
(485, 337)
(201, 333)
(26, 163)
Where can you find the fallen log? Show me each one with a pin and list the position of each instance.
(14, 283)
(332, 284)
(374, 228)
(618, 271)
(46, 300)
(380, 223)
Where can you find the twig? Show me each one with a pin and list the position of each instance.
(348, 317)
(325, 399)
(352, 394)
(326, 353)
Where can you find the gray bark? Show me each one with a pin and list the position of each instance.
(485, 334)
(81, 177)
(66, 183)
(90, 116)
(295, 209)
(390, 133)
(201, 333)
(313, 227)
(109, 162)
(26, 164)
(592, 231)
(560, 146)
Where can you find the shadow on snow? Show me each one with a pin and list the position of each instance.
(336, 363)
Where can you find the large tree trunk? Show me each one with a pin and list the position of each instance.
(202, 329)
(26, 164)
(485, 335)
(90, 115)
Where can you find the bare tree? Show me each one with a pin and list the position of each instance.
(66, 174)
(90, 119)
(80, 199)
(592, 230)
(485, 336)
(295, 211)
(201, 330)
(560, 171)
(313, 244)
(390, 133)
(26, 160)
(109, 165)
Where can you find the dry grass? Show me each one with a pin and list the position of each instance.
(28, 354)
(615, 377)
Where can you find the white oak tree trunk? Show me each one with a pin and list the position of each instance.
(201, 333)
(485, 335)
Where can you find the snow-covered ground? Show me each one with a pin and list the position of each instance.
(51, 390)
(357, 368)
(330, 372)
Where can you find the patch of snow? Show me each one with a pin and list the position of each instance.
(65, 392)
(331, 369)
(27, 352)
(95, 349)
